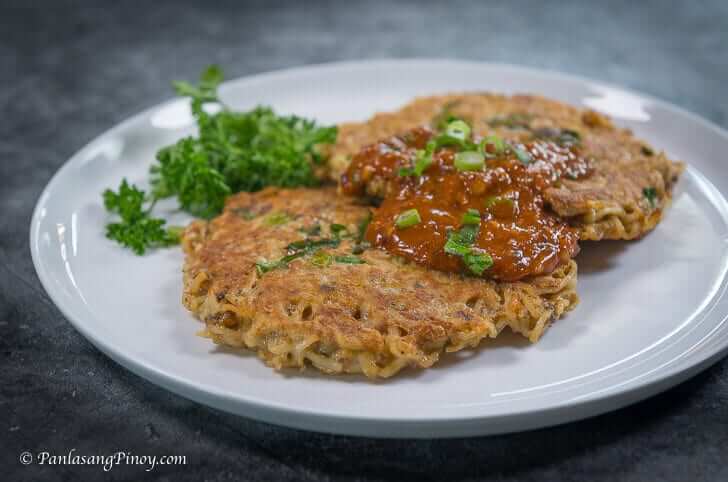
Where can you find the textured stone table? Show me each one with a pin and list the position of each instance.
(68, 72)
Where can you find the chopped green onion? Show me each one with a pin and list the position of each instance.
(321, 259)
(422, 162)
(408, 218)
(455, 246)
(469, 161)
(444, 117)
(363, 225)
(348, 259)
(290, 257)
(309, 245)
(563, 137)
(277, 219)
(477, 262)
(522, 155)
(469, 233)
(472, 216)
(297, 249)
(337, 229)
(493, 200)
(458, 129)
(499, 146)
(457, 133)
(460, 243)
(440, 122)
(263, 266)
(651, 195)
(360, 247)
(568, 138)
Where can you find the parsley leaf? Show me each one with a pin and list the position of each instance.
(235, 151)
(232, 152)
(137, 230)
(185, 170)
(206, 91)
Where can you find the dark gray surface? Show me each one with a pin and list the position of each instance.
(69, 71)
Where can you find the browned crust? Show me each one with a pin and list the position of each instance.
(375, 318)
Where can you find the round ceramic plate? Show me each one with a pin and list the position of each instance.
(652, 312)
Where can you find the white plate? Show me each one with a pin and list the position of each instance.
(652, 312)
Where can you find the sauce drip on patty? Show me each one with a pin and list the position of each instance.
(514, 230)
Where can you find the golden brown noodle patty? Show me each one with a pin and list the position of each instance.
(609, 204)
(375, 318)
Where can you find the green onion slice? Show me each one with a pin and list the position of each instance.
(469, 233)
(458, 129)
(422, 162)
(469, 161)
(477, 262)
(522, 155)
(337, 229)
(455, 246)
(494, 200)
(348, 259)
(263, 266)
(408, 218)
(362, 226)
(310, 245)
(321, 259)
(460, 243)
(499, 146)
(472, 216)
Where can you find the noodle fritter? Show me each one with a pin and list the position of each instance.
(623, 198)
(284, 272)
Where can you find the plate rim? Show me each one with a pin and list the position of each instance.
(366, 425)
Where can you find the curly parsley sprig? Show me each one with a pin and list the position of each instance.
(137, 229)
(232, 152)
